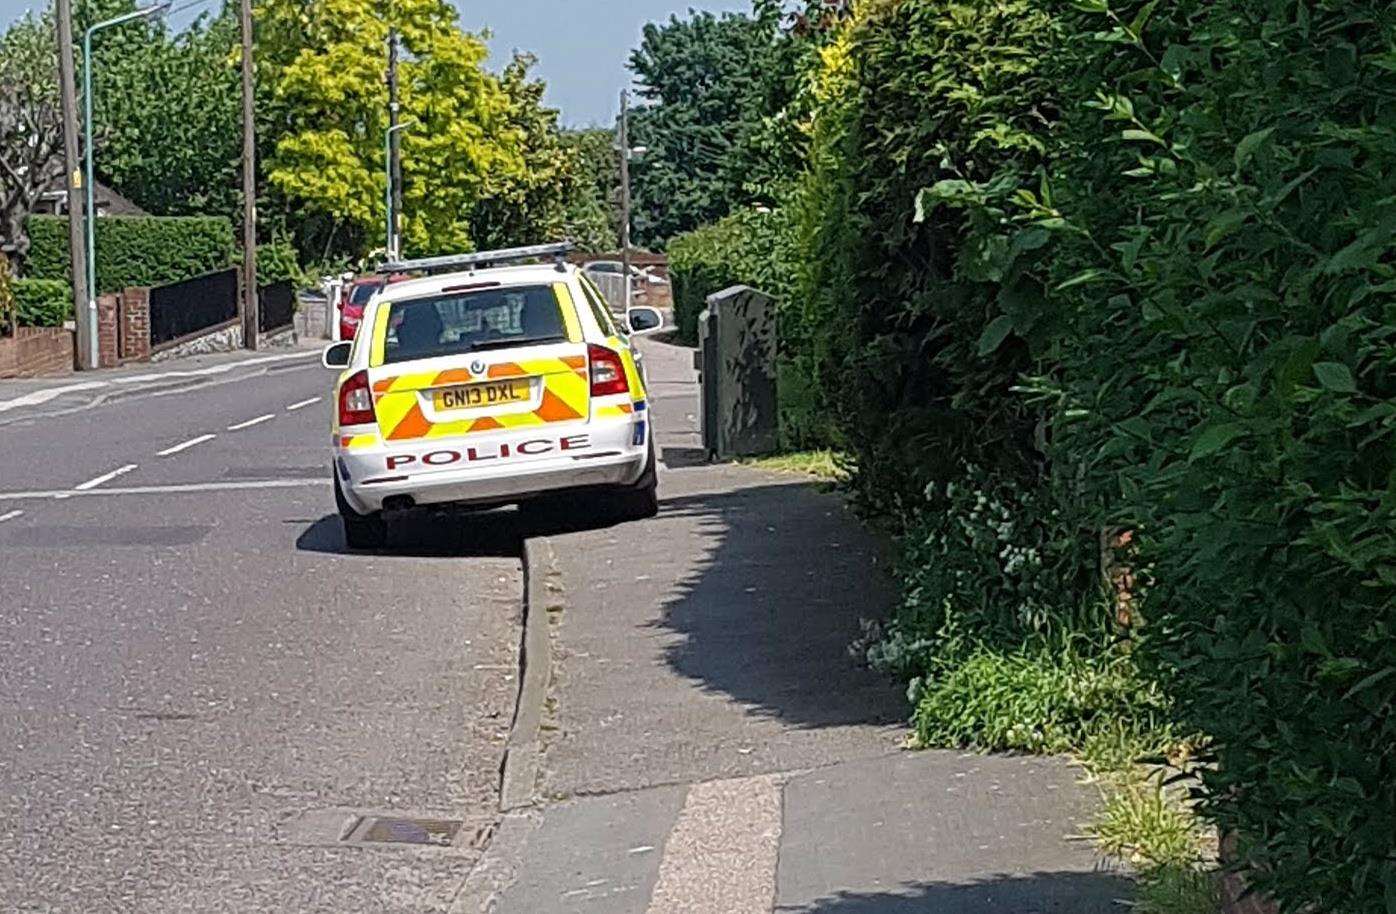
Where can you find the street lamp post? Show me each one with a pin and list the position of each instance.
(391, 247)
(91, 220)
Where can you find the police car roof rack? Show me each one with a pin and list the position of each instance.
(480, 259)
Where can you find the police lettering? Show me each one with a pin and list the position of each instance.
(503, 451)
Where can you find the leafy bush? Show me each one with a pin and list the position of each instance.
(7, 297)
(924, 317)
(277, 262)
(1228, 389)
(750, 247)
(135, 250)
(42, 302)
(1134, 260)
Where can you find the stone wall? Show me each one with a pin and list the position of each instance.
(223, 339)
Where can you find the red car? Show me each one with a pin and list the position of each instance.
(355, 297)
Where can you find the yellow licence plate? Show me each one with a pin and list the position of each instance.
(475, 396)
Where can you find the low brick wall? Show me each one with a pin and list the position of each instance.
(36, 352)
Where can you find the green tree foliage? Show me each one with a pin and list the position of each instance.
(705, 87)
(31, 132)
(167, 112)
(910, 312)
(326, 59)
(1228, 388)
(593, 209)
(533, 204)
(42, 302)
(135, 251)
(1097, 266)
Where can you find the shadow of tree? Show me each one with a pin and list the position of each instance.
(769, 611)
(1033, 893)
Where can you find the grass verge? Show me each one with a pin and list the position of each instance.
(1097, 709)
(824, 465)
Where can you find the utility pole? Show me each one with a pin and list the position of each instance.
(84, 300)
(250, 315)
(394, 152)
(625, 193)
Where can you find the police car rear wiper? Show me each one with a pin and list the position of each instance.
(515, 341)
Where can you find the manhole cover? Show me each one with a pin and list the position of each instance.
(387, 830)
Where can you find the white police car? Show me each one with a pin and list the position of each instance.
(489, 385)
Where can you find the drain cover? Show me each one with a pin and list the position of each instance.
(390, 830)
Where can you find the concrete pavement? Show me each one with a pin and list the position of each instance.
(710, 747)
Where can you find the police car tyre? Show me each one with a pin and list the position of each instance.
(361, 531)
(641, 500)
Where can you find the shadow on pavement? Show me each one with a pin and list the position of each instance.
(1035, 893)
(457, 533)
(679, 457)
(773, 602)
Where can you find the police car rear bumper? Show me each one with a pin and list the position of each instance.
(492, 470)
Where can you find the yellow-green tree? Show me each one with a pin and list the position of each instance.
(326, 59)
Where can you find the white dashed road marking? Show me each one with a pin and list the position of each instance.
(186, 445)
(105, 477)
(44, 494)
(721, 855)
(302, 404)
(251, 422)
(10, 515)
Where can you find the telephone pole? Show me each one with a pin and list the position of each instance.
(250, 316)
(84, 301)
(394, 151)
(625, 193)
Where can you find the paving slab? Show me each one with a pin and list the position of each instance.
(596, 855)
(943, 832)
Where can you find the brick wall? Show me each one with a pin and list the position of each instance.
(135, 325)
(108, 333)
(36, 352)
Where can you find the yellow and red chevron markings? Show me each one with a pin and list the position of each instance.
(565, 382)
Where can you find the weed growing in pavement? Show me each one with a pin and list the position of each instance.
(824, 465)
(1001, 653)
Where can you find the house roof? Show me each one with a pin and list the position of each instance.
(109, 202)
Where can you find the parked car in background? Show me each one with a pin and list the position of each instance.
(638, 275)
(355, 296)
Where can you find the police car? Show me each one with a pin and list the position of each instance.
(486, 382)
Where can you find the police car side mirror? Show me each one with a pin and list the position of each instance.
(643, 320)
(337, 355)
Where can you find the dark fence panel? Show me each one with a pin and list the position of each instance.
(276, 305)
(184, 309)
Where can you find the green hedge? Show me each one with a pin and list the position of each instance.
(42, 302)
(750, 247)
(135, 250)
(1113, 271)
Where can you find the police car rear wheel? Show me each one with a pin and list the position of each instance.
(361, 531)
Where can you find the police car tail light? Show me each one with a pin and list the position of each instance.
(607, 372)
(356, 401)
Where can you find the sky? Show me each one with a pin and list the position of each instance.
(582, 45)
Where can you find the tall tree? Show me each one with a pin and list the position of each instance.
(593, 209)
(707, 86)
(326, 58)
(31, 128)
(529, 205)
(167, 116)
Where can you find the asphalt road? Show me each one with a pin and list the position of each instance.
(201, 692)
